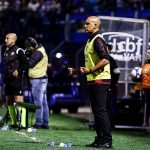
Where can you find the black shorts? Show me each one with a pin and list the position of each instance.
(14, 88)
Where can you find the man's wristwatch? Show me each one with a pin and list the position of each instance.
(90, 71)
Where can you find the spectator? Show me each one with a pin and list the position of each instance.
(33, 22)
(146, 87)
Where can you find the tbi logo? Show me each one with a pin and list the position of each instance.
(126, 46)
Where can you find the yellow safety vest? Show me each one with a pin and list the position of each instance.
(39, 70)
(91, 59)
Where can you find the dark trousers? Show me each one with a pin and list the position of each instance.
(112, 104)
(147, 100)
(98, 98)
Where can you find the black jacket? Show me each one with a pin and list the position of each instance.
(114, 75)
(13, 58)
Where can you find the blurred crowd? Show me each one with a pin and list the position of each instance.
(67, 6)
(31, 16)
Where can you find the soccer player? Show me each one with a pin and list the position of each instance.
(13, 59)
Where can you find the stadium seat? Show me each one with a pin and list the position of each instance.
(78, 37)
(127, 14)
(145, 14)
(66, 100)
(28, 107)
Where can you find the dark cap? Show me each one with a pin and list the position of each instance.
(30, 42)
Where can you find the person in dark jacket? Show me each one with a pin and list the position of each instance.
(13, 58)
(112, 93)
(37, 72)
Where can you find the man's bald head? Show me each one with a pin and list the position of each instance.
(13, 36)
(92, 24)
(95, 20)
(10, 39)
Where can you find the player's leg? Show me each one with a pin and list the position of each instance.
(11, 109)
(22, 111)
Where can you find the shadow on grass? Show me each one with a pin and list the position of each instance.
(34, 142)
(63, 122)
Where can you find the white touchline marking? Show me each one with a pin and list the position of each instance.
(29, 137)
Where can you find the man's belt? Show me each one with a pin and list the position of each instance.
(105, 81)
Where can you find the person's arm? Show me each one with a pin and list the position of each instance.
(73, 71)
(101, 50)
(23, 61)
(27, 63)
(114, 70)
(35, 58)
(22, 56)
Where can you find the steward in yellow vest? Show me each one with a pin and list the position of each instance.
(92, 57)
(97, 71)
(40, 69)
(38, 62)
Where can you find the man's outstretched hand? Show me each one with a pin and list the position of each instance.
(73, 71)
(15, 73)
(84, 70)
